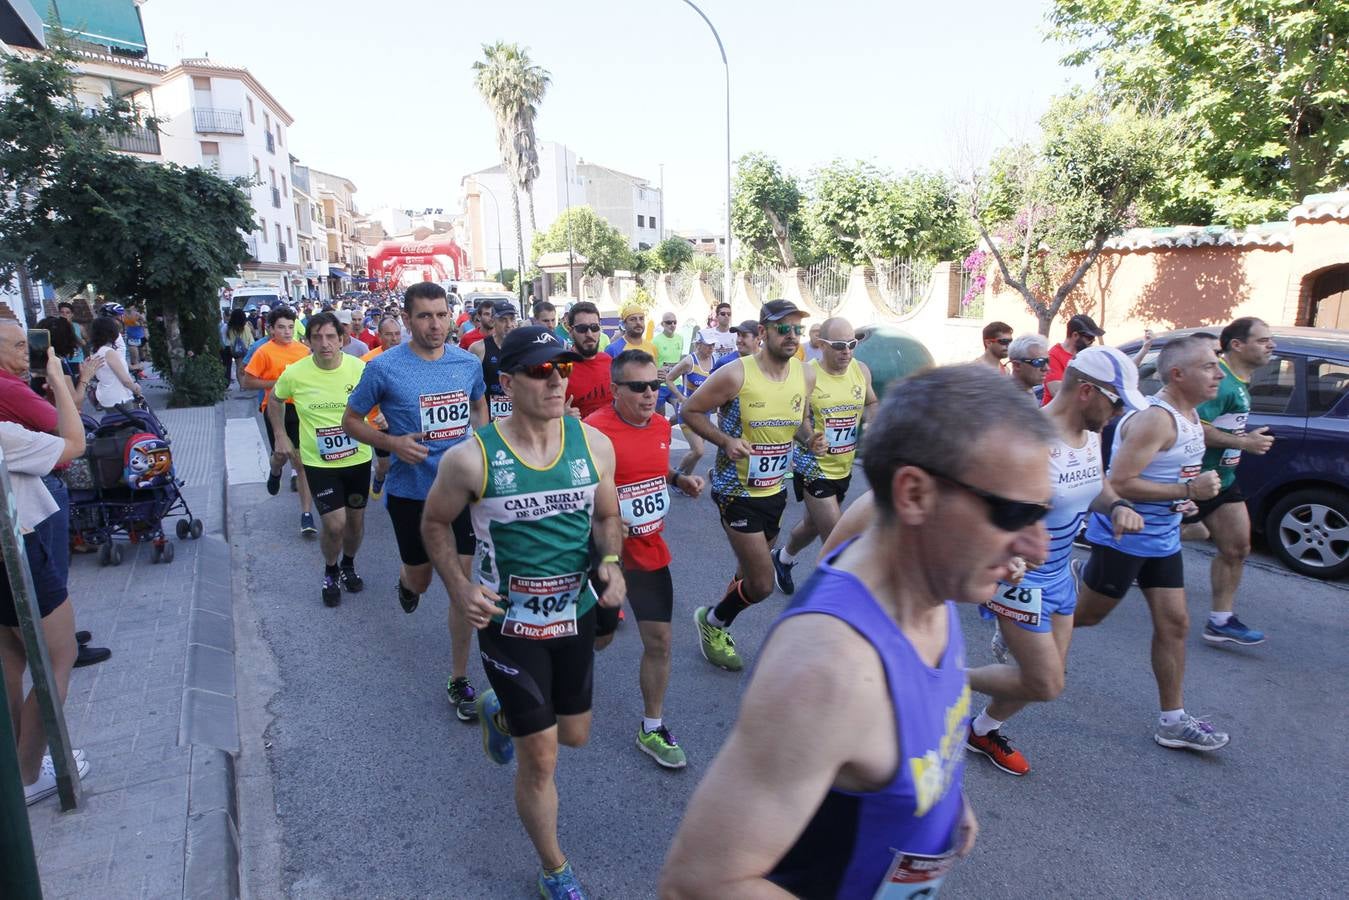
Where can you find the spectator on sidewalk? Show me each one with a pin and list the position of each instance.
(114, 384)
(235, 339)
(137, 337)
(29, 455)
(62, 336)
(67, 311)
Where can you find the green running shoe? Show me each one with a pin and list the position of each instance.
(496, 737)
(560, 885)
(660, 745)
(716, 643)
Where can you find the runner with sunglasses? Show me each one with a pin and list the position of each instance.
(1028, 356)
(590, 386)
(539, 486)
(488, 351)
(431, 395)
(1082, 333)
(847, 755)
(841, 401)
(693, 370)
(997, 338)
(669, 351)
(762, 403)
(642, 475)
(1156, 463)
(1034, 614)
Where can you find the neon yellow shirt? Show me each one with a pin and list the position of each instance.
(320, 397)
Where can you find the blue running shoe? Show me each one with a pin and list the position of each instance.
(561, 885)
(782, 573)
(1233, 633)
(496, 737)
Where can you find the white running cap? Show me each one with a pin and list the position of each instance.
(1111, 367)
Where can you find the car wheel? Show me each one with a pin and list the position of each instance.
(1309, 531)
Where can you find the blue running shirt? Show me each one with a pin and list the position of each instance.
(418, 396)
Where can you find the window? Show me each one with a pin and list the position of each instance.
(1327, 383)
(641, 221)
(271, 173)
(284, 192)
(249, 101)
(290, 240)
(278, 134)
(201, 84)
(1272, 386)
(277, 225)
(266, 121)
(210, 154)
(257, 169)
(262, 226)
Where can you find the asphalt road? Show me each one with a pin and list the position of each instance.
(359, 782)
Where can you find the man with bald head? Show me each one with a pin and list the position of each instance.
(842, 399)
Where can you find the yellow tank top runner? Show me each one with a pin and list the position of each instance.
(766, 414)
(836, 406)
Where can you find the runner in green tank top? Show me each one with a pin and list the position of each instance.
(753, 437)
(539, 486)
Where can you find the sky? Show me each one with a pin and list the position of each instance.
(383, 92)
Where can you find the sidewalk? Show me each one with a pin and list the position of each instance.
(157, 720)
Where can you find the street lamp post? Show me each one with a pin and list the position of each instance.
(727, 65)
(501, 267)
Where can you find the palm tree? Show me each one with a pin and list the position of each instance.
(513, 86)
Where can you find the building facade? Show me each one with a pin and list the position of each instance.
(311, 237)
(346, 256)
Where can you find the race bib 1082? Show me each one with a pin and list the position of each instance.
(444, 416)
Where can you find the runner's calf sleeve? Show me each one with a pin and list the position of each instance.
(733, 603)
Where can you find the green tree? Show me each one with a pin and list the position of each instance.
(672, 253)
(140, 231)
(604, 246)
(1263, 85)
(766, 213)
(513, 86)
(1045, 211)
(862, 214)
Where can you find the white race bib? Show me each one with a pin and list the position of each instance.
(542, 608)
(914, 875)
(1187, 474)
(499, 406)
(444, 416)
(841, 433)
(333, 443)
(1017, 602)
(643, 505)
(768, 464)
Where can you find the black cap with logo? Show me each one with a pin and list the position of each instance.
(531, 346)
(1084, 324)
(776, 310)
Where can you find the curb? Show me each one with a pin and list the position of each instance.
(209, 722)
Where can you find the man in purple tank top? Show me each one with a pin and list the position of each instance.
(862, 802)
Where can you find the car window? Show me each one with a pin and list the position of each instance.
(1148, 381)
(1272, 386)
(1327, 382)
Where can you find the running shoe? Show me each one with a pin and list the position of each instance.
(999, 750)
(463, 697)
(717, 645)
(782, 573)
(1190, 734)
(77, 753)
(407, 599)
(661, 746)
(294, 484)
(1080, 539)
(496, 737)
(376, 488)
(998, 644)
(307, 526)
(1234, 632)
(45, 785)
(332, 591)
(561, 885)
(274, 483)
(352, 582)
(1075, 568)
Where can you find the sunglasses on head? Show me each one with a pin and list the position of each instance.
(640, 387)
(545, 370)
(842, 345)
(1038, 362)
(1115, 399)
(784, 329)
(586, 328)
(1004, 513)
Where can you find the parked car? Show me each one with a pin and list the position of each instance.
(1298, 492)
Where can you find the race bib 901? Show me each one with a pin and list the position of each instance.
(333, 443)
(444, 416)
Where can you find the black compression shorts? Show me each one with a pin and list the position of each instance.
(406, 515)
(537, 681)
(339, 487)
(292, 427)
(1230, 494)
(1112, 572)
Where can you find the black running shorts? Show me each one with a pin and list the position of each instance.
(537, 681)
(753, 515)
(406, 515)
(650, 594)
(292, 427)
(820, 488)
(1230, 494)
(1112, 572)
(339, 487)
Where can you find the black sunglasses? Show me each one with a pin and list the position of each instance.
(586, 328)
(1038, 362)
(1005, 514)
(843, 345)
(638, 387)
(784, 329)
(1004, 341)
(545, 370)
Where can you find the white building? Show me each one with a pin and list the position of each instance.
(346, 255)
(220, 116)
(311, 237)
(627, 202)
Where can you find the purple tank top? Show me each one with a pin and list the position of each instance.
(850, 843)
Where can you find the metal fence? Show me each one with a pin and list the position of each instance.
(969, 307)
(904, 283)
(827, 281)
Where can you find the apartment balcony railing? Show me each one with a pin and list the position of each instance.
(271, 143)
(276, 197)
(138, 140)
(209, 120)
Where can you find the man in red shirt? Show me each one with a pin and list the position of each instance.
(588, 388)
(1082, 333)
(643, 476)
(482, 325)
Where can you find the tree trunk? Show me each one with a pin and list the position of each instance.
(533, 223)
(519, 237)
(1046, 320)
(783, 239)
(173, 337)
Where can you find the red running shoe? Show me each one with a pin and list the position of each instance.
(996, 747)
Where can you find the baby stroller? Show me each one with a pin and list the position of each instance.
(125, 485)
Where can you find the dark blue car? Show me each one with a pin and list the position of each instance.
(1298, 493)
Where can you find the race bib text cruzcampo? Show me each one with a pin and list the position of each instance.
(444, 415)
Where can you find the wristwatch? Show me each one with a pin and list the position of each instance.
(1122, 502)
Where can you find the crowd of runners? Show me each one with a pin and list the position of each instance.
(529, 465)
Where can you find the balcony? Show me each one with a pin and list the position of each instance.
(138, 140)
(329, 222)
(276, 197)
(271, 143)
(334, 258)
(280, 252)
(209, 120)
(251, 242)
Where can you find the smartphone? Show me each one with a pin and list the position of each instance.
(39, 339)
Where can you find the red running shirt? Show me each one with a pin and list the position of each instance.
(642, 460)
(590, 388)
(1058, 364)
